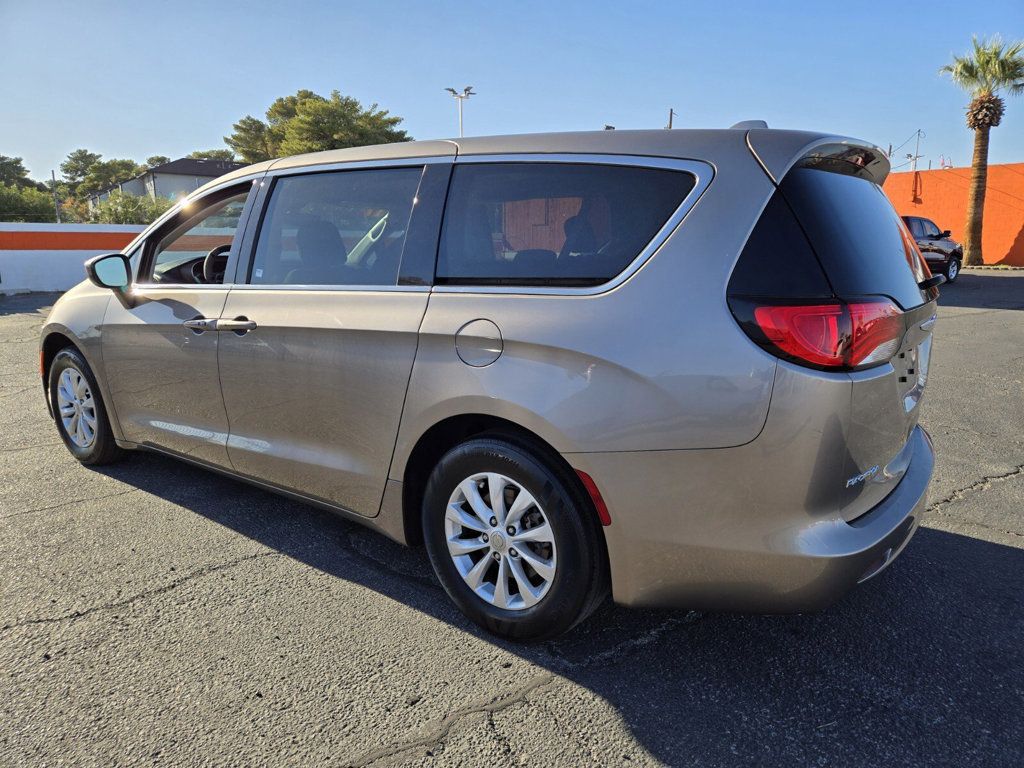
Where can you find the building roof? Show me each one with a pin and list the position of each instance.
(183, 166)
(187, 166)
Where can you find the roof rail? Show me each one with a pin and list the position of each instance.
(746, 125)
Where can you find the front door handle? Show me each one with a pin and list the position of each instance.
(201, 324)
(240, 325)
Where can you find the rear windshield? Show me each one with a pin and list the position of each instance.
(857, 235)
(552, 223)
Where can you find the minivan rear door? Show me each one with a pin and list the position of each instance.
(866, 252)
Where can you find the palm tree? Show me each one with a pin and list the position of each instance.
(990, 68)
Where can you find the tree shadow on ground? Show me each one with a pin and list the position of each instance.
(922, 665)
(26, 303)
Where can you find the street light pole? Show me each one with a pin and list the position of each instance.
(461, 97)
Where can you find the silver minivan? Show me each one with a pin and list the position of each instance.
(682, 367)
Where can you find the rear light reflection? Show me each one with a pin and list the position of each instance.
(833, 335)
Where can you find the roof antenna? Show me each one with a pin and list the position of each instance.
(746, 125)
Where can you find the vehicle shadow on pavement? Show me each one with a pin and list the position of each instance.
(984, 290)
(922, 665)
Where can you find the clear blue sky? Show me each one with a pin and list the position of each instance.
(135, 79)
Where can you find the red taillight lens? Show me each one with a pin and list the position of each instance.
(877, 332)
(831, 335)
(811, 333)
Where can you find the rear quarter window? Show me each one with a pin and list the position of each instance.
(860, 240)
(552, 223)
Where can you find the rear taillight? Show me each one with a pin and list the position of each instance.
(831, 335)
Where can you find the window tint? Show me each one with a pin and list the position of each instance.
(858, 237)
(930, 230)
(338, 228)
(777, 260)
(194, 235)
(552, 223)
(914, 224)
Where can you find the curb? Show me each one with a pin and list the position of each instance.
(1000, 267)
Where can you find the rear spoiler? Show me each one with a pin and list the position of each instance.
(778, 151)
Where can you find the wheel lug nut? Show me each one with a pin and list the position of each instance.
(496, 555)
(513, 553)
(494, 521)
(485, 537)
(511, 530)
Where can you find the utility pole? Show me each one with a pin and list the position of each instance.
(917, 150)
(671, 113)
(53, 188)
(461, 97)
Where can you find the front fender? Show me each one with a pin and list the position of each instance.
(77, 317)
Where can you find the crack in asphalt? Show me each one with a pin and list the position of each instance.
(29, 447)
(496, 703)
(69, 502)
(622, 651)
(979, 485)
(16, 392)
(144, 595)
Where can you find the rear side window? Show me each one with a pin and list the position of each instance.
(858, 237)
(552, 223)
(337, 228)
(777, 260)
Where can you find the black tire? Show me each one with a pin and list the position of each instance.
(952, 270)
(580, 582)
(103, 449)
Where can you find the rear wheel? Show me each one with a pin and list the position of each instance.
(952, 270)
(78, 410)
(512, 541)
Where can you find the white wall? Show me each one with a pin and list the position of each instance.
(50, 265)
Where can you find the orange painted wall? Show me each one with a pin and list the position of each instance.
(941, 195)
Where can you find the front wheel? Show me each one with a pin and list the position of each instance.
(512, 540)
(78, 410)
(952, 270)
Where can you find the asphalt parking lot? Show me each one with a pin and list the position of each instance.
(153, 613)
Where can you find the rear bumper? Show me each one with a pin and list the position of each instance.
(671, 545)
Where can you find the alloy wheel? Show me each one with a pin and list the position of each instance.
(76, 407)
(500, 541)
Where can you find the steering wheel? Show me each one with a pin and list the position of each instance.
(216, 263)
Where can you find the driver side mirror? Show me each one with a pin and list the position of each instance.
(945, 233)
(110, 270)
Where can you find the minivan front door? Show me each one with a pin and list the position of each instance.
(160, 348)
(315, 375)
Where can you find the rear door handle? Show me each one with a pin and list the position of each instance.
(201, 324)
(240, 325)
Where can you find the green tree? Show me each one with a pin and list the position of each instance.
(122, 208)
(104, 174)
(155, 160)
(76, 167)
(251, 140)
(308, 122)
(212, 154)
(990, 68)
(25, 204)
(14, 172)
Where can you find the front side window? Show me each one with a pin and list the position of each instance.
(552, 223)
(336, 228)
(198, 231)
(930, 230)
